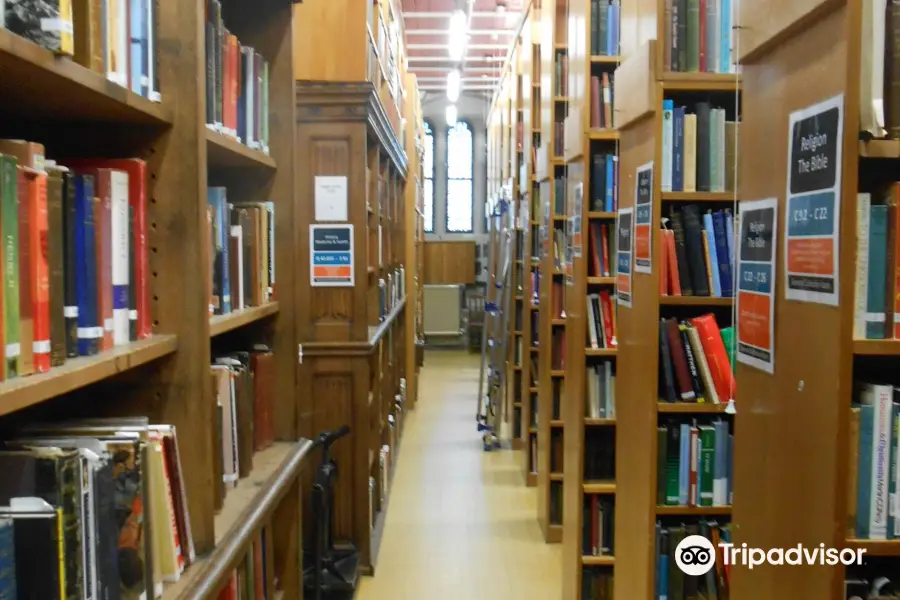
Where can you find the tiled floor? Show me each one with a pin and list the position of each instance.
(461, 525)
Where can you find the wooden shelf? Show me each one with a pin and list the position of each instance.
(605, 60)
(225, 151)
(38, 83)
(690, 408)
(700, 82)
(599, 487)
(876, 347)
(557, 322)
(558, 423)
(557, 373)
(598, 561)
(687, 511)
(698, 197)
(220, 324)
(876, 547)
(556, 476)
(603, 135)
(608, 352)
(601, 215)
(601, 280)
(880, 149)
(694, 301)
(77, 373)
(591, 422)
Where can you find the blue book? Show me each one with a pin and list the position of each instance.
(678, 150)
(684, 464)
(864, 469)
(729, 237)
(610, 204)
(612, 29)
(712, 255)
(89, 330)
(724, 266)
(725, 43)
(146, 75)
(216, 198)
(876, 295)
(136, 32)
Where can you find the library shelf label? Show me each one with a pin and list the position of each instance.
(756, 293)
(331, 198)
(813, 202)
(624, 235)
(643, 213)
(331, 255)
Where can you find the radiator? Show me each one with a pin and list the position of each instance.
(443, 309)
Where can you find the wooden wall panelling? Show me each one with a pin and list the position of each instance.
(812, 378)
(449, 263)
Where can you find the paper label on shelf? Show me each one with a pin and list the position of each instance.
(813, 203)
(624, 250)
(331, 256)
(132, 315)
(57, 25)
(41, 346)
(755, 296)
(12, 350)
(108, 324)
(643, 214)
(90, 333)
(70, 312)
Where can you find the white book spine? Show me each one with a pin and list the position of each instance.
(882, 397)
(120, 255)
(689, 153)
(863, 203)
(668, 121)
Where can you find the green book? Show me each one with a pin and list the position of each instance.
(693, 35)
(707, 463)
(661, 466)
(728, 340)
(673, 464)
(9, 233)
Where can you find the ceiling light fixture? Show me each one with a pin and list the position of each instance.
(453, 85)
(451, 115)
(457, 35)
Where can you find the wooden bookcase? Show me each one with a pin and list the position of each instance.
(551, 374)
(76, 112)
(356, 116)
(817, 52)
(641, 84)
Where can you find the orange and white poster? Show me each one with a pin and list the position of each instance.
(331, 255)
(813, 206)
(624, 249)
(756, 284)
(643, 214)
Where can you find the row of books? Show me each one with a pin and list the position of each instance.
(698, 149)
(241, 271)
(604, 182)
(251, 579)
(74, 257)
(244, 390)
(605, 27)
(237, 84)
(559, 137)
(697, 256)
(599, 454)
(602, 101)
(699, 35)
(876, 312)
(694, 464)
(558, 349)
(671, 581)
(117, 38)
(391, 290)
(93, 509)
(601, 321)
(598, 525)
(561, 67)
(596, 584)
(601, 391)
(602, 250)
(696, 361)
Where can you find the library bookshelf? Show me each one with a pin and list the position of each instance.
(79, 113)
(820, 52)
(359, 119)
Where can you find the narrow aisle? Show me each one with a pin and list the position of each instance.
(461, 524)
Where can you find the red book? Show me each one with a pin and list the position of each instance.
(230, 591)
(595, 101)
(679, 362)
(702, 58)
(693, 465)
(607, 105)
(137, 199)
(604, 244)
(39, 269)
(609, 329)
(664, 265)
(672, 260)
(714, 348)
(594, 243)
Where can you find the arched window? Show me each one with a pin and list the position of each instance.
(428, 168)
(460, 188)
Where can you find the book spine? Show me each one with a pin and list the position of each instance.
(40, 273)
(9, 227)
(56, 265)
(119, 257)
(876, 295)
(667, 154)
(881, 442)
(707, 464)
(692, 33)
(678, 150)
(89, 333)
(26, 305)
(103, 259)
(863, 205)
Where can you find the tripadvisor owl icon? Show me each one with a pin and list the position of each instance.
(695, 555)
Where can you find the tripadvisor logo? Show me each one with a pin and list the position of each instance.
(695, 555)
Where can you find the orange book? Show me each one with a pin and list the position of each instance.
(714, 349)
(664, 265)
(38, 265)
(604, 248)
(672, 260)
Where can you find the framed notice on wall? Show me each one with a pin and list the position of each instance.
(331, 256)
(643, 213)
(624, 235)
(756, 284)
(813, 206)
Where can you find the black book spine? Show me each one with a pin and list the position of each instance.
(70, 265)
(696, 257)
(703, 149)
(684, 272)
(665, 362)
(210, 74)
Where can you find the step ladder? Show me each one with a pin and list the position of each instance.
(492, 376)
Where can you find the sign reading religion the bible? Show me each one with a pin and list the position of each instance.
(756, 284)
(624, 235)
(812, 210)
(643, 213)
